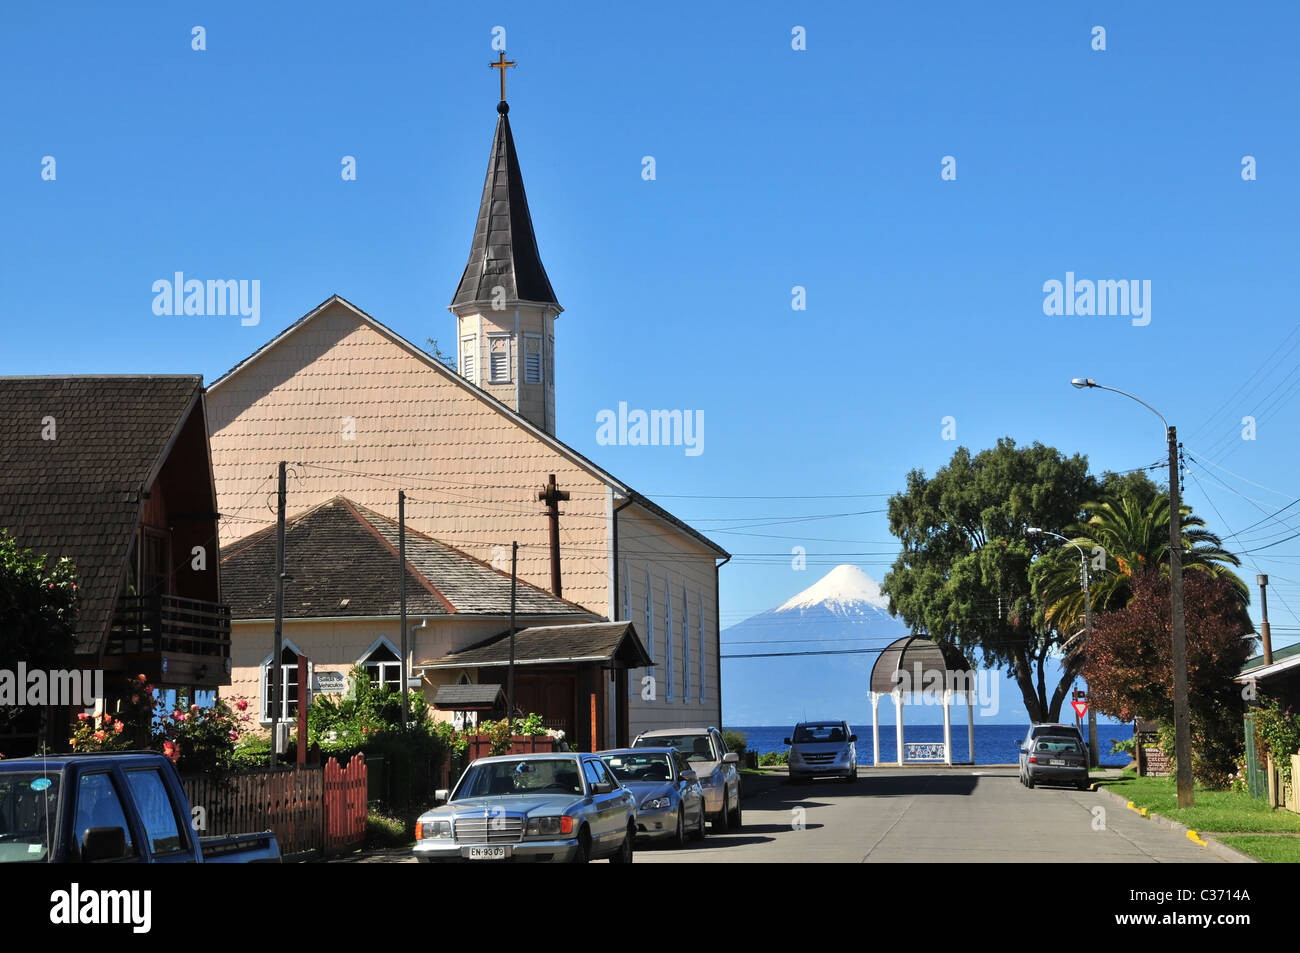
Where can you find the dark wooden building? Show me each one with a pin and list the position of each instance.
(113, 472)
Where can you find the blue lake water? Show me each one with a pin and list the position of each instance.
(994, 744)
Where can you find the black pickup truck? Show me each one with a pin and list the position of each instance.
(128, 807)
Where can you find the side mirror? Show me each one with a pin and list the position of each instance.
(853, 737)
(786, 741)
(103, 843)
(601, 787)
(689, 776)
(730, 757)
(441, 796)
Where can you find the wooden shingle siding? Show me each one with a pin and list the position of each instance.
(470, 472)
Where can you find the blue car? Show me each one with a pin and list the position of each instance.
(669, 798)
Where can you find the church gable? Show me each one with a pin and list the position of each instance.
(356, 411)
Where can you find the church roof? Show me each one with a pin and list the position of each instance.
(342, 560)
(504, 252)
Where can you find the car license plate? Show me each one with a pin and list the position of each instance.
(488, 853)
(1056, 762)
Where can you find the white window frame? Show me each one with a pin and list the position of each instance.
(699, 628)
(509, 363)
(264, 702)
(686, 645)
(649, 617)
(384, 642)
(529, 377)
(668, 633)
(468, 358)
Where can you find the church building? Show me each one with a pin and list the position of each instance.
(359, 414)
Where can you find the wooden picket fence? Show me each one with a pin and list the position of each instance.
(345, 804)
(480, 746)
(312, 810)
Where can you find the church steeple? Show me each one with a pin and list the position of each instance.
(504, 305)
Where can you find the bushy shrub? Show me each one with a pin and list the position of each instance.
(385, 831)
(737, 742)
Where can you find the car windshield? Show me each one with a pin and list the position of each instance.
(639, 767)
(692, 747)
(523, 777)
(815, 734)
(1051, 745)
(28, 801)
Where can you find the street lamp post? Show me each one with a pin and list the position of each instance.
(1093, 754)
(1182, 718)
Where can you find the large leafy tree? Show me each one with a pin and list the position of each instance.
(1130, 663)
(38, 616)
(963, 573)
(1124, 535)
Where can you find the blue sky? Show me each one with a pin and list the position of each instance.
(774, 168)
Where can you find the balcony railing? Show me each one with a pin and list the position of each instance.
(171, 624)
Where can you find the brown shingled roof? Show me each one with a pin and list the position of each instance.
(80, 494)
(343, 560)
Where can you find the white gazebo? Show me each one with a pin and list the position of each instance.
(917, 666)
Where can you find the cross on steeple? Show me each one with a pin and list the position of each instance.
(501, 64)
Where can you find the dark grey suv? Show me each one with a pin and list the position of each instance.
(1054, 754)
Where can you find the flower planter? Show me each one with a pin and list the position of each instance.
(480, 746)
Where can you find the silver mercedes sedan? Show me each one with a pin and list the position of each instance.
(532, 807)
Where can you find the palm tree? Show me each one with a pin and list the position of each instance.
(1125, 536)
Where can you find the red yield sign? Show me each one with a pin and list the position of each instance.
(1080, 708)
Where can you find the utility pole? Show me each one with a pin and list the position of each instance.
(401, 559)
(1094, 755)
(275, 671)
(1182, 716)
(552, 496)
(1264, 633)
(510, 675)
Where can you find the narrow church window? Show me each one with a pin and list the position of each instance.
(532, 358)
(499, 357)
(649, 618)
(550, 360)
(467, 356)
(686, 646)
(699, 628)
(668, 640)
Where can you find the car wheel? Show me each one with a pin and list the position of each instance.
(624, 855)
(737, 820)
(722, 821)
(1029, 781)
(852, 775)
(701, 832)
(1085, 785)
(583, 853)
(680, 840)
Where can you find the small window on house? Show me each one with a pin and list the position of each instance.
(384, 667)
(499, 358)
(467, 356)
(288, 671)
(532, 358)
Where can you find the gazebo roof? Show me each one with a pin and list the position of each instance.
(912, 654)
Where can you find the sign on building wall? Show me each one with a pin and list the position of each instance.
(329, 682)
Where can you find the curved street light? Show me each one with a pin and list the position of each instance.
(1182, 719)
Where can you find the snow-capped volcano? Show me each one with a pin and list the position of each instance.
(774, 671)
(841, 590)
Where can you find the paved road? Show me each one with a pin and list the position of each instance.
(941, 815)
